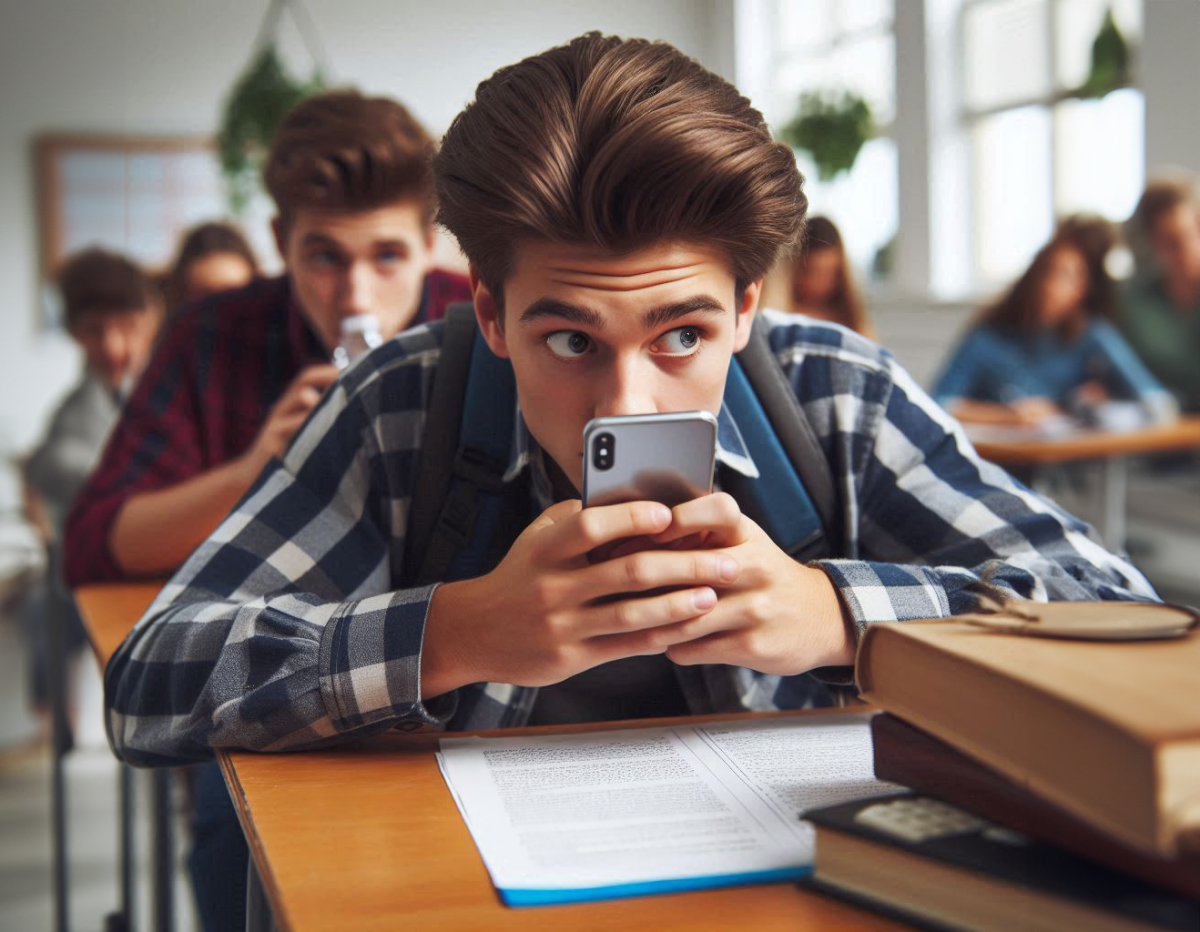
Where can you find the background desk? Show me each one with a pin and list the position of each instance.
(109, 613)
(366, 836)
(1111, 449)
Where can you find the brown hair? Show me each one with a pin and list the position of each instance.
(615, 144)
(1162, 195)
(207, 239)
(343, 151)
(1018, 312)
(846, 302)
(98, 281)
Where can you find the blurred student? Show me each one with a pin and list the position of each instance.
(1046, 346)
(822, 285)
(235, 377)
(212, 257)
(111, 311)
(1159, 312)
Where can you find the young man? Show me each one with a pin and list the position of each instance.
(112, 313)
(1160, 310)
(619, 206)
(237, 375)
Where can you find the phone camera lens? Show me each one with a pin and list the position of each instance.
(603, 450)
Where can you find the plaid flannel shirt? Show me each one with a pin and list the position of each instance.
(292, 626)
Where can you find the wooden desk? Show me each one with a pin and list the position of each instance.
(109, 612)
(368, 837)
(1184, 434)
(1110, 449)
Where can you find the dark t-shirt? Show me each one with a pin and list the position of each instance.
(636, 687)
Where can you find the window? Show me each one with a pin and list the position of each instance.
(789, 47)
(1038, 150)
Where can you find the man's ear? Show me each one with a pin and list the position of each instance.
(489, 314)
(745, 315)
(279, 231)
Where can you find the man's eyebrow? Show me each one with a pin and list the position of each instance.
(701, 304)
(572, 313)
(315, 238)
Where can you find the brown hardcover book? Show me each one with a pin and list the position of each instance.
(1107, 730)
(912, 758)
(920, 858)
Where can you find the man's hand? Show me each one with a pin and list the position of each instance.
(546, 613)
(1034, 410)
(779, 616)
(286, 416)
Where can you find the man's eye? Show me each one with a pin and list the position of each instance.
(568, 343)
(325, 258)
(389, 258)
(680, 342)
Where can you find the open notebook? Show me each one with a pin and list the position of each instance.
(605, 814)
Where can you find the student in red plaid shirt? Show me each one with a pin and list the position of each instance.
(236, 375)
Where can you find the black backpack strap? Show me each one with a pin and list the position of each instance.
(795, 434)
(439, 443)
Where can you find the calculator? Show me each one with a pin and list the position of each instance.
(918, 818)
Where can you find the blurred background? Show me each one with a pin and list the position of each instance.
(944, 138)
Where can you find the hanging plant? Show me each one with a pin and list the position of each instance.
(263, 94)
(1110, 61)
(832, 128)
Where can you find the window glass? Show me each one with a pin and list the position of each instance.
(1013, 195)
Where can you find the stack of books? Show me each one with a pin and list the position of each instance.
(1056, 781)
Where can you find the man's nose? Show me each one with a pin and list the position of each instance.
(115, 349)
(628, 389)
(358, 297)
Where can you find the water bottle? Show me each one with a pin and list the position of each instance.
(360, 335)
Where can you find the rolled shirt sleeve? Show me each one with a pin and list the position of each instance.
(932, 526)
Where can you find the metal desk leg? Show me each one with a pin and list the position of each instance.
(259, 917)
(56, 662)
(122, 919)
(128, 845)
(1114, 483)
(163, 850)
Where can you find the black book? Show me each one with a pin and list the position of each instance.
(945, 868)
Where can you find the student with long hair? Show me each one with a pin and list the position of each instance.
(213, 257)
(1047, 346)
(822, 285)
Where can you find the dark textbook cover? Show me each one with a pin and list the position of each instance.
(981, 876)
(906, 755)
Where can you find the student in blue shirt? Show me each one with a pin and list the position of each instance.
(1046, 347)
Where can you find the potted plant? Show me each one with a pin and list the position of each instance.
(832, 127)
(260, 98)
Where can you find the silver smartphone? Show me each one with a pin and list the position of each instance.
(664, 458)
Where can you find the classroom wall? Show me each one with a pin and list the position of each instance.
(164, 66)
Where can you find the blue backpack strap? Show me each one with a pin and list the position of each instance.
(484, 446)
(462, 505)
(777, 501)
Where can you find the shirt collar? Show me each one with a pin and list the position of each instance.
(731, 449)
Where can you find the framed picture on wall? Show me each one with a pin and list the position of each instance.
(132, 194)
